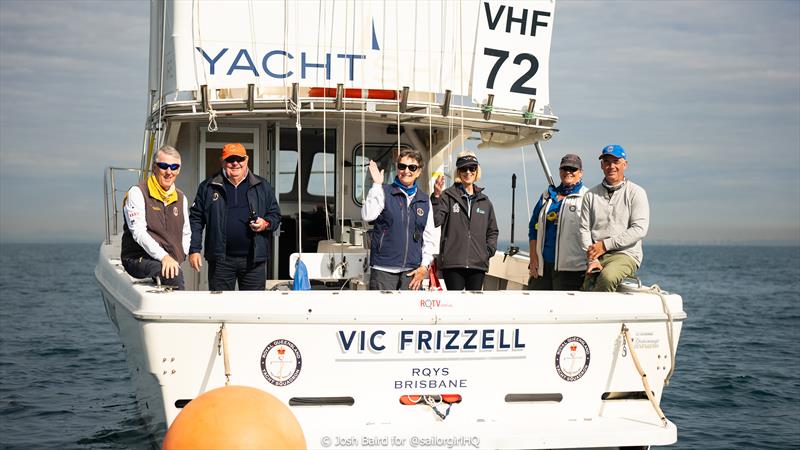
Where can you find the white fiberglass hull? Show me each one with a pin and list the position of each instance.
(533, 369)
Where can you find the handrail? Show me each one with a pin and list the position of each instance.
(110, 209)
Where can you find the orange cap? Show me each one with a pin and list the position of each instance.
(235, 149)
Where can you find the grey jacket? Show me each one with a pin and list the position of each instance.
(620, 220)
(569, 254)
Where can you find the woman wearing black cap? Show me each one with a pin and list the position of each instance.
(469, 227)
(557, 261)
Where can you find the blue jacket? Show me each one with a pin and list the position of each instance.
(209, 212)
(396, 235)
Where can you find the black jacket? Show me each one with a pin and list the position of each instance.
(468, 241)
(209, 212)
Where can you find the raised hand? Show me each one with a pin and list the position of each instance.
(377, 174)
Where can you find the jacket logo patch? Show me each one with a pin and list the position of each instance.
(420, 212)
(480, 211)
(572, 208)
(175, 211)
(456, 208)
(215, 196)
(156, 208)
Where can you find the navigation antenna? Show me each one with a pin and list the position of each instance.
(512, 249)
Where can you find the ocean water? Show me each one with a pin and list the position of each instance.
(64, 381)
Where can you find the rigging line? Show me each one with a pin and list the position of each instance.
(325, 139)
(383, 40)
(442, 37)
(430, 88)
(299, 179)
(344, 136)
(159, 133)
(285, 51)
(461, 62)
(414, 63)
(361, 167)
(397, 68)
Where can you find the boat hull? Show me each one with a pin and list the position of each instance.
(531, 369)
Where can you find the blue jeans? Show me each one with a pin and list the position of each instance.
(224, 273)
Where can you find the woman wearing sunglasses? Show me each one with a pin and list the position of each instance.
(403, 238)
(557, 261)
(469, 227)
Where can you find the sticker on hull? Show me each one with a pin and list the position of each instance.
(281, 362)
(572, 358)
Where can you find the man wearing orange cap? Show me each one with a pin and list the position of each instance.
(156, 233)
(238, 211)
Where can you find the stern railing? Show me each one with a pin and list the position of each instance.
(111, 207)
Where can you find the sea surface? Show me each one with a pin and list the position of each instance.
(64, 381)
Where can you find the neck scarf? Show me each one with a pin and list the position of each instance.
(158, 193)
(410, 191)
(569, 190)
(611, 188)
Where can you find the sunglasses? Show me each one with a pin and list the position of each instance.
(469, 169)
(411, 167)
(570, 169)
(234, 159)
(165, 166)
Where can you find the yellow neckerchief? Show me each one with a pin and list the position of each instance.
(158, 193)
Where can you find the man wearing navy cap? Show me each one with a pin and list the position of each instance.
(614, 220)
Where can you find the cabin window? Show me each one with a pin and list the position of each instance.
(322, 175)
(383, 155)
(287, 172)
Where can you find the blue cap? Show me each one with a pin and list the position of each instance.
(614, 150)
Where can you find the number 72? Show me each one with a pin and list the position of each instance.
(502, 56)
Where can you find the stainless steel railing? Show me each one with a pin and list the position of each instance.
(111, 209)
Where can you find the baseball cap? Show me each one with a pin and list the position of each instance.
(614, 150)
(571, 160)
(235, 149)
(467, 160)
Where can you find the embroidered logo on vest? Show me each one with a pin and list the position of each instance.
(215, 197)
(175, 211)
(420, 212)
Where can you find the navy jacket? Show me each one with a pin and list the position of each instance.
(396, 235)
(209, 212)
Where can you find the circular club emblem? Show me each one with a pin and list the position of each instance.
(420, 212)
(572, 358)
(281, 362)
(175, 211)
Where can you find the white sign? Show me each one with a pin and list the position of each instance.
(512, 54)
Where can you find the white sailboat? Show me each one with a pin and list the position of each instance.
(315, 90)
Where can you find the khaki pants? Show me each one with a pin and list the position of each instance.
(616, 267)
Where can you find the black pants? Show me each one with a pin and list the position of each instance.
(387, 281)
(223, 274)
(460, 279)
(554, 280)
(147, 267)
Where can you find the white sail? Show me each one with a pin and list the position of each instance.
(472, 48)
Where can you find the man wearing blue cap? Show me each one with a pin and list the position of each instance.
(614, 219)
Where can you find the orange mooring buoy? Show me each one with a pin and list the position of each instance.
(235, 417)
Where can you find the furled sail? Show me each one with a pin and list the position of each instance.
(472, 48)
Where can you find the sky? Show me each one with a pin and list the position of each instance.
(704, 96)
